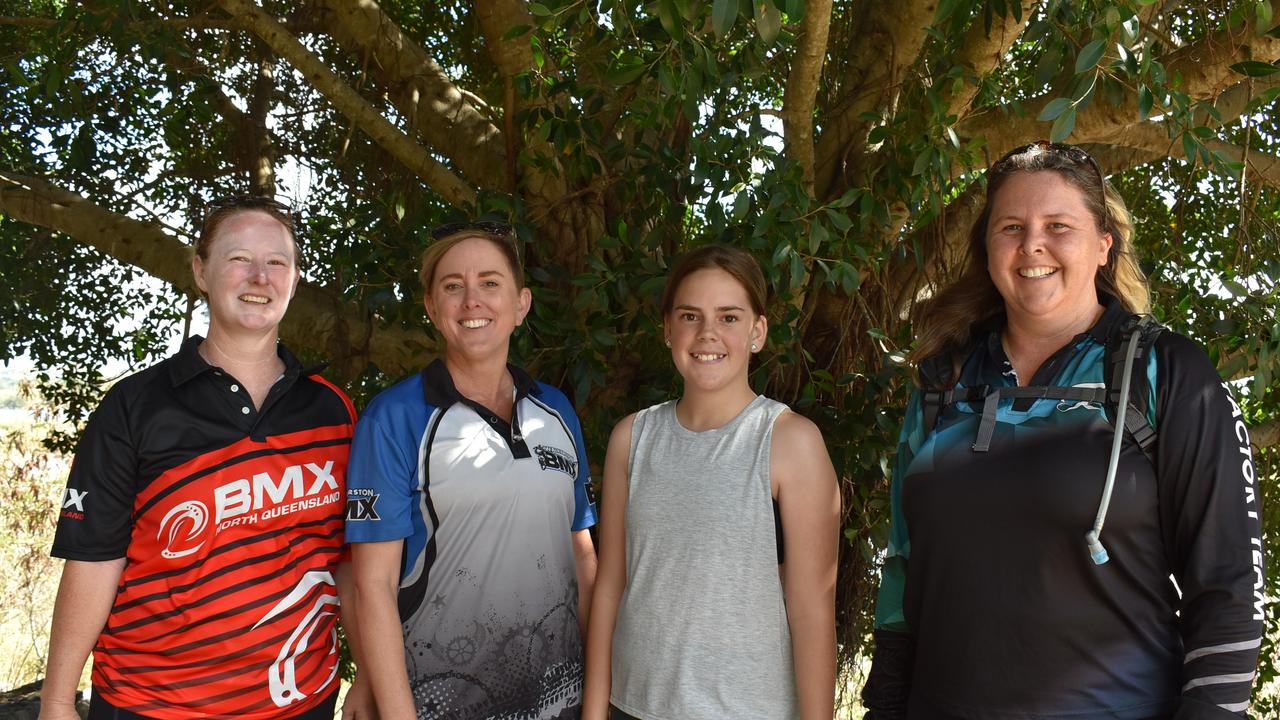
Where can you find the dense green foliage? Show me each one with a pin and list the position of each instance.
(615, 134)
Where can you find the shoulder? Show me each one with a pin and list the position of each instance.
(622, 430)
(1181, 361)
(400, 407)
(795, 435)
(552, 396)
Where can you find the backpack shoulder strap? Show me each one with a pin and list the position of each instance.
(1144, 330)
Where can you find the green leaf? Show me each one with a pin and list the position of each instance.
(537, 9)
(1145, 101)
(516, 32)
(818, 237)
(840, 221)
(670, 18)
(1263, 11)
(1063, 126)
(797, 271)
(1255, 68)
(626, 70)
(723, 14)
(768, 21)
(1056, 107)
(794, 10)
(1090, 55)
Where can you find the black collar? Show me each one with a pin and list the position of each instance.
(188, 362)
(439, 390)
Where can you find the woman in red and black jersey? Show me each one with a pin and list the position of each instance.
(202, 522)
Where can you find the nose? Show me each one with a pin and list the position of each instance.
(470, 296)
(707, 329)
(1033, 240)
(260, 271)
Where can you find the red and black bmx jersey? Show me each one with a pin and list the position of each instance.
(231, 523)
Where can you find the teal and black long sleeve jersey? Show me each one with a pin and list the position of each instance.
(990, 606)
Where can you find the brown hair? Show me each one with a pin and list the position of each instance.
(945, 322)
(735, 261)
(223, 209)
(437, 249)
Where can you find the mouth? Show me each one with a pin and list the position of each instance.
(1037, 272)
(707, 357)
(474, 324)
(255, 299)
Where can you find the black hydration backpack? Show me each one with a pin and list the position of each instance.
(1139, 331)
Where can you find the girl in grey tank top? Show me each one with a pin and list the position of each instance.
(693, 616)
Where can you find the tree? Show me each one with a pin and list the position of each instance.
(842, 142)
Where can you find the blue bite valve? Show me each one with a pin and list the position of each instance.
(1096, 551)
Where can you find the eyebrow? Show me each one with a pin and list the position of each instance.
(482, 273)
(722, 308)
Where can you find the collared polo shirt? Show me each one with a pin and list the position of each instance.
(485, 510)
(230, 522)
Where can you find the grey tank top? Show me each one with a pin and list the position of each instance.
(702, 628)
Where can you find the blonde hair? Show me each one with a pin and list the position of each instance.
(945, 323)
(436, 250)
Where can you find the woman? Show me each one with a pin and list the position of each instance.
(202, 523)
(468, 511)
(716, 592)
(999, 599)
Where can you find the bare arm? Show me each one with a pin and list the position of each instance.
(611, 578)
(809, 500)
(85, 596)
(358, 703)
(381, 639)
(584, 565)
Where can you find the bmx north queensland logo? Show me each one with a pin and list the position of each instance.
(553, 458)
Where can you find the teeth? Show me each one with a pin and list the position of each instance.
(255, 299)
(707, 357)
(1036, 272)
(473, 324)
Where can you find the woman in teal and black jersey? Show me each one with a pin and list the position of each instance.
(202, 523)
(1075, 526)
(716, 591)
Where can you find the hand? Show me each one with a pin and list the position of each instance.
(358, 704)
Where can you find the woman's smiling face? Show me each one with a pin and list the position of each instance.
(1044, 249)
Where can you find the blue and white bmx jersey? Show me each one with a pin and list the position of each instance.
(488, 591)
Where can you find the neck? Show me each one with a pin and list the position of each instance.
(700, 410)
(230, 351)
(485, 381)
(1028, 343)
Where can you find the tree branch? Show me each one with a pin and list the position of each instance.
(802, 87)
(1265, 435)
(980, 53)
(349, 103)
(422, 92)
(512, 56)
(317, 319)
(891, 36)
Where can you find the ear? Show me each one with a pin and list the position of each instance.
(297, 278)
(197, 272)
(760, 332)
(430, 307)
(524, 301)
(1104, 248)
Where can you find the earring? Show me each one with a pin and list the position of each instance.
(754, 347)
(668, 342)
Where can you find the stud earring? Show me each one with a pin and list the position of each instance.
(754, 347)
(668, 342)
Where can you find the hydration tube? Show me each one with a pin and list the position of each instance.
(1093, 537)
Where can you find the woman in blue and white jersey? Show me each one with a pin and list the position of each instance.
(468, 512)
(1003, 596)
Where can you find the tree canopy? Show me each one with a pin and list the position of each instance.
(842, 141)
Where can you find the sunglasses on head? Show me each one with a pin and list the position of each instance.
(247, 202)
(1073, 153)
(492, 228)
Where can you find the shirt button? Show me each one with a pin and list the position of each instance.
(235, 388)
(244, 410)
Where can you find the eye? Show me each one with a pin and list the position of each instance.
(278, 263)
(491, 283)
(239, 258)
(730, 319)
(452, 286)
(689, 317)
(1059, 226)
(1011, 227)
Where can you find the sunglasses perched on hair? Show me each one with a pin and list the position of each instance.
(248, 202)
(1073, 153)
(488, 227)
